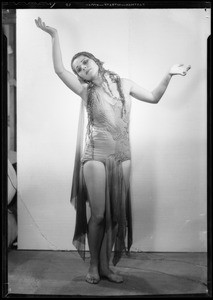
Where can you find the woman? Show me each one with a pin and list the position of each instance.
(102, 172)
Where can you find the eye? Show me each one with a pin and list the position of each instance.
(85, 61)
(78, 69)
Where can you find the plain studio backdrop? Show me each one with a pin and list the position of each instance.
(168, 140)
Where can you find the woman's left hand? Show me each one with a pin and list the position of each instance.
(179, 69)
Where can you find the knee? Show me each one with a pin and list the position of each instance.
(97, 218)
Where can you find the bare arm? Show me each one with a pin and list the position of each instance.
(154, 96)
(67, 77)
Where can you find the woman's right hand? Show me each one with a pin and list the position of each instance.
(52, 31)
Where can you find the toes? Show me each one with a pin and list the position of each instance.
(92, 279)
(113, 278)
(116, 278)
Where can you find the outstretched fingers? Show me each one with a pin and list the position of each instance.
(36, 21)
(39, 23)
(186, 70)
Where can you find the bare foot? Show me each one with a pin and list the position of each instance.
(108, 274)
(93, 275)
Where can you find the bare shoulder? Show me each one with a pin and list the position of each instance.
(126, 84)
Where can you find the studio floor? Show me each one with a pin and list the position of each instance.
(63, 273)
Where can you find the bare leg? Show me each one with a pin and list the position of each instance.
(94, 174)
(105, 271)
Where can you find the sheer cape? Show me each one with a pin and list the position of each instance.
(118, 215)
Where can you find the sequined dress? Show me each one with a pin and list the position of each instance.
(108, 143)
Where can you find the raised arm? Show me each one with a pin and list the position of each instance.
(154, 96)
(67, 77)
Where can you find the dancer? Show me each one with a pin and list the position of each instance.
(102, 169)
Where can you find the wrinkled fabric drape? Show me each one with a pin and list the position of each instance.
(78, 195)
(118, 216)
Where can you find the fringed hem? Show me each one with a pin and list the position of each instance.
(118, 217)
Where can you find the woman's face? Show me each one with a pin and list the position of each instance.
(85, 67)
